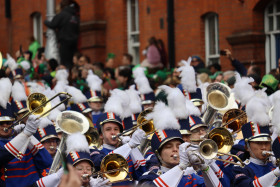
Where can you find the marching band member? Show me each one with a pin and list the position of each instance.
(174, 157)
(258, 171)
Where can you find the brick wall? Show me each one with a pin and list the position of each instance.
(104, 27)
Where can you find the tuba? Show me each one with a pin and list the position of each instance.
(69, 122)
(217, 98)
(115, 168)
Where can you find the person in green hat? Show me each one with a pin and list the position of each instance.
(269, 82)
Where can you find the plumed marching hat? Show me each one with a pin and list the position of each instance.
(109, 117)
(19, 98)
(143, 86)
(46, 130)
(5, 106)
(94, 83)
(254, 132)
(166, 124)
(77, 149)
(258, 127)
(78, 100)
(17, 73)
(195, 122)
(275, 147)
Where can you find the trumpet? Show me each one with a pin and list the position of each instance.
(38, 104)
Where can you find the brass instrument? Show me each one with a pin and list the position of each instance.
(92, 137)
(69, 122)
(234, 119)
(217, 97)
(115, 168)
(267, 153)
(39, 104)
(142, 123)
(219, 142)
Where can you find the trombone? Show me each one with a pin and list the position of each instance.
(115, 168)
(142, 123)
(38, 104)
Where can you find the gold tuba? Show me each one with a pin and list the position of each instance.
(115, 168)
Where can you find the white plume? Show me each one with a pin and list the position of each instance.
(53, 114)
(77, 142)
(62, 75)
(118, 103)
(142, 81)
(49, 94)
(11, 63)
(163, 117)
(5, 93)
(242, 90)
(18, 92)
(94, 82)
(135, 101)
(192, 110)
(60, 87)
(256, 110)
(44, 122)
(25, 65)
(187, 75)
(77, 95)
(34, 87)
(176, 101)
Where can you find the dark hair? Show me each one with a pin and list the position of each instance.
(129, 57)
(153, 41)
(257, 70)
(86, 57)
(53, 64)
(110, 71)
(40, 51)
(125, 71)
(257, 78)
(216, 66)
(30, 55)
(78, 55)
(100, 65)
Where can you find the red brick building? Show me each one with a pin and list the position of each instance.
(249, 28)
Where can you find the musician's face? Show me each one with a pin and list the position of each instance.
(108, 130)
(198, 133)
(168, 151)
(258, 147)
(3, 125)
(51, 145)
(83, 168)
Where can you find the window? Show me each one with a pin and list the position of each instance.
(212, 39)
(272, 32)
(133, 30)
(37, 27)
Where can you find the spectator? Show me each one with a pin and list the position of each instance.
(197, 63)
(67, 23)
(153, 59)
(127, 60)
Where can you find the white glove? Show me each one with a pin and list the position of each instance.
(51, 180)
(124, 139)
(18, 128)
(184, 159)
(31, 125)
(276, 172)
(99, 182)
(196, 160)
(137, 137)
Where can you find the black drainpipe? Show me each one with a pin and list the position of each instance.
(171, 33)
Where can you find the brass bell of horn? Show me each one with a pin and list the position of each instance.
(115, 168)
(234, 119)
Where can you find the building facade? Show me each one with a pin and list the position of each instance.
(249, 28)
